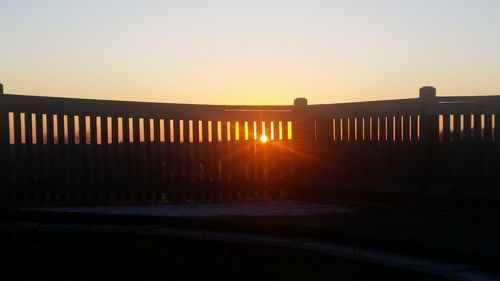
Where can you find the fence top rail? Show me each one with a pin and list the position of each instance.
(112, 108)
(415, 106)
(136, 109)
(368, 108)
(469, 99)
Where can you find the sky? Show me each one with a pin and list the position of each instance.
(249, 52)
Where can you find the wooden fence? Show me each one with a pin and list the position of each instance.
(61, 147)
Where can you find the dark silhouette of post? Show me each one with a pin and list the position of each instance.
(301, 121)
(4, 141)
(429, 116)
(429, 133)
(302, 140)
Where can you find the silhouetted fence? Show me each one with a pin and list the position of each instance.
(426, 141)
(96, 148)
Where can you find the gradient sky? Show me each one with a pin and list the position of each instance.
(249, 52)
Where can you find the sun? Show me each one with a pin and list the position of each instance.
(263, 139)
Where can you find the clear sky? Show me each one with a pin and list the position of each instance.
(249, 52)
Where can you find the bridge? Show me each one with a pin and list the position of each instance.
(82, 151)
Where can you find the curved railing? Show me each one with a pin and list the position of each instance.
(79, 146)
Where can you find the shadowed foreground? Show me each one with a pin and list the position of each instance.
(195, 242)
(58, 256)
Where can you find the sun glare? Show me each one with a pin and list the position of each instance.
(263, 139)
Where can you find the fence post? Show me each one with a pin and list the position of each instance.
(302, 142)
(4, 149)
(301, 121)
(429, 134)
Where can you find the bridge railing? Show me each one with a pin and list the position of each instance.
(63, 145)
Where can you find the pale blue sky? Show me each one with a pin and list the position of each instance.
(251, 52)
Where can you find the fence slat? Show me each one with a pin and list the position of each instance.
(476, 134)
(497, 127)
(137, 167)
(467, 128)
(145, 153)
(126, 161)
(114, 150)
(168, 151)
(398, 132)
(488, 128)
(30, 164)
(73, 170)
(195, 152)
(457, 128)
(154, 152)
(446, 128)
